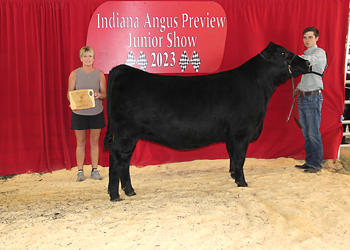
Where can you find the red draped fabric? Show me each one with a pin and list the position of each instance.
(39, 45)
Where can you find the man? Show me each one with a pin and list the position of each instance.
(310, 101)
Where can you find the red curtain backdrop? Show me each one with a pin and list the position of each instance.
(40, 41)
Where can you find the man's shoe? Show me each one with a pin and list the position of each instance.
(304, 166)
(311, 170)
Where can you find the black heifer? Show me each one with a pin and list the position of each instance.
(192, 112)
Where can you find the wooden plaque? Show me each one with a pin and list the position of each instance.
(82, 99)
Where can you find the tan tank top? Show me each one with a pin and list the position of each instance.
(89, 81)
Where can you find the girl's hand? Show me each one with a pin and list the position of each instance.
(97, 95)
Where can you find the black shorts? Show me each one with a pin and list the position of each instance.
(84, 122)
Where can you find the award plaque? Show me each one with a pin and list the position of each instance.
(82, 99)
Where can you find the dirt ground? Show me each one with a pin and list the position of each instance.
(191, 205)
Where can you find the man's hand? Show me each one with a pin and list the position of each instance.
(296, 92)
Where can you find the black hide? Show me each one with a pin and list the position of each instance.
(192, 112)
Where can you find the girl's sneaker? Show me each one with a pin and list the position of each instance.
(95, 174)
(81, 176)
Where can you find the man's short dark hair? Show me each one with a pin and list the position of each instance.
(313, 29)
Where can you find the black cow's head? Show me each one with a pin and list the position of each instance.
(287, 64)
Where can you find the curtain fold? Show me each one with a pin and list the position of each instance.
(39, 47)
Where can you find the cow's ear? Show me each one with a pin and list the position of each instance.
(268, 51)
(271, 47)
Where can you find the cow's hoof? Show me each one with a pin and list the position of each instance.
(115, 197)
(118, 199)
(131, 193)
(243, 184)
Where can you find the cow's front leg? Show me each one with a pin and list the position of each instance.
(237, 153)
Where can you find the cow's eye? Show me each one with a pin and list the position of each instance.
(283, 54)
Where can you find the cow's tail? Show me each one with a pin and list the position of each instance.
(108, 140)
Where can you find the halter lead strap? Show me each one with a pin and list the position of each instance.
(292, 108)
(290, 72)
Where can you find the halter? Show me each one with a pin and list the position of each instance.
(272, 61)
(290, 65)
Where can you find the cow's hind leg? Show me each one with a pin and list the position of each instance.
(237, 153)
(113, 185)
(125, 177)
(119, 170)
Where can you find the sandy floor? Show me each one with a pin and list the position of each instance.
(192, 205)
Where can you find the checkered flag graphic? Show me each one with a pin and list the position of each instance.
(195, 61)
(130, 60)
(184, 61)
(142, 61)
